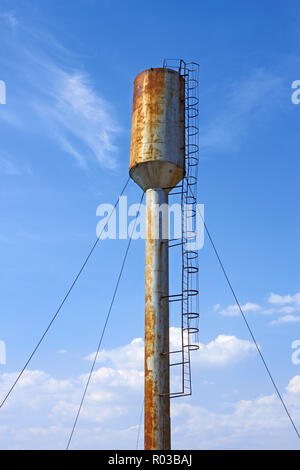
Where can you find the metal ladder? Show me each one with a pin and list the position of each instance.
(189, 295)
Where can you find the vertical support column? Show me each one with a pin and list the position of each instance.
(157, 400)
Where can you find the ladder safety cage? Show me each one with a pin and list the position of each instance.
(187, 189)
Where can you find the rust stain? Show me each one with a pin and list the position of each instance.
(148, 106)
(151, 385)
(157, 99)
(156, 427)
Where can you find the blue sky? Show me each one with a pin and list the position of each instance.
(64, 149)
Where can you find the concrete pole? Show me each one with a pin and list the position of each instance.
(157, 400)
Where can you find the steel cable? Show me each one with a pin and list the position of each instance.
(248, 326)
(103, 330)
(62, 302)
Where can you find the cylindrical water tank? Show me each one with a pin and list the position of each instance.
(158, 129)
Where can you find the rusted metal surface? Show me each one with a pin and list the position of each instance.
(158, 129)
(157, 401)
(157, 164)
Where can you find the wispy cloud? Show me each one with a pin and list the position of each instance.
(285, 304)
(80, 119)
(284, 299)
(10, 18)
(9, 166)
(240, 104)
(286, 319)
(233, 310)
(277, 304)
(55, 98)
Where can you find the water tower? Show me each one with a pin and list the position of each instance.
(157, 165)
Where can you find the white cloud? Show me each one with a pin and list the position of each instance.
(279, 299)
(41, 410)
(233, 310)
(59, 101)
(284, 299)
(259, 423)
(32, 378)
(130, 356)
(131, 378)
(285, 319)
(221, 351)
(294, 385)
(224, 350)
(79, 119)
(175, 338)
(69, 148)
(287, 309)
(10, 167)
(283, 304)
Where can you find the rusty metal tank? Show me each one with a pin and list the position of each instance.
(157, 165)
(158, 129)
